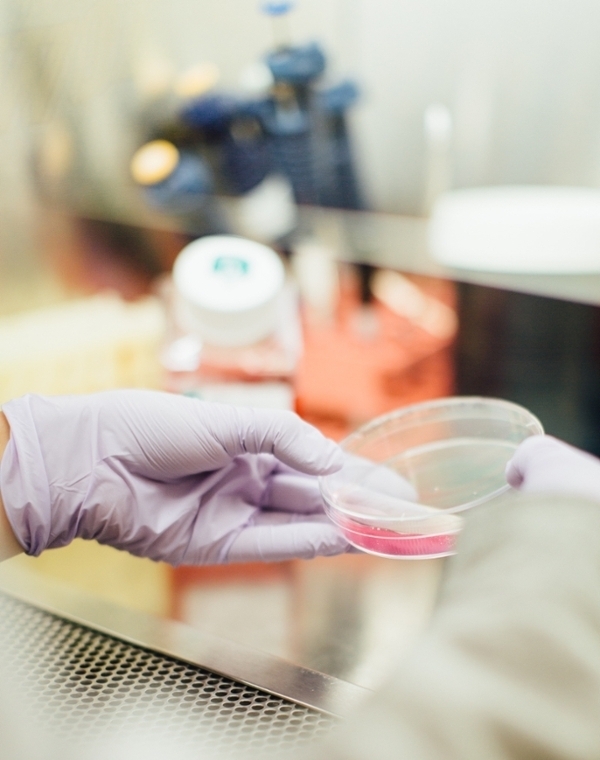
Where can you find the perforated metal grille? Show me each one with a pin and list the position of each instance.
(83, 682)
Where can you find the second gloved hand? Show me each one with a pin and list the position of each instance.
(166, 477)
(542, 464)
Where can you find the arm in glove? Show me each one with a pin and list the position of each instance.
(543, 464)
(166, 477)
(9, 546)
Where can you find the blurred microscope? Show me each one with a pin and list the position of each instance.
(283, 140)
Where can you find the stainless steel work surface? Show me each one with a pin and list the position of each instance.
(86, 667)
(79, 682)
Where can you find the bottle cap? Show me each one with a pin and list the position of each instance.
(228, 289)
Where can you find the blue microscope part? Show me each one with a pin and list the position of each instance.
(210, 112)
(338, 184)
(277, 7)
(292, 157)
(185, 189)
(297, 65)
(245, 164)
(283, 123)
(338, 98)
(289, 147)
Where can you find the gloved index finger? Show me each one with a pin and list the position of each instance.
(376, 476)
(293, 492)
(246, 430)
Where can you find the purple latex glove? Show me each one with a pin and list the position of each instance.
(543, 464)
(166, 477)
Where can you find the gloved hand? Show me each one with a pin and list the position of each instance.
(166, 477)
(542, 464)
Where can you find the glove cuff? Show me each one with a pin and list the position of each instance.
(23, 480)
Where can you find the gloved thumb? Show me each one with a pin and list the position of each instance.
(543, 463)
(245, 430)
(529, 451)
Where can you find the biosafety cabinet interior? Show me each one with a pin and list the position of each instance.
(82, 683)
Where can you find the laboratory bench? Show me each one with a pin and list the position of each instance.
(315, 634)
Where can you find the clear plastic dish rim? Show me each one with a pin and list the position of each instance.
(450, 401)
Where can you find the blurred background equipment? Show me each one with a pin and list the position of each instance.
(284, 129)
(92, 83)
(234, 329)
(437, 124)
(372, 358)
(179, 182)
(83, 346)
(550, 230)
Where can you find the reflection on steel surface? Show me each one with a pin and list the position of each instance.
(45, 618)
(81, 684)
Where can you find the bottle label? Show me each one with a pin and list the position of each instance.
(231, 266)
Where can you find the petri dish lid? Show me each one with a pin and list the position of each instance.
(428, 460)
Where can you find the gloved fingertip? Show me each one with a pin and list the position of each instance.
(514, 477)
(514, 470)
(333, 460)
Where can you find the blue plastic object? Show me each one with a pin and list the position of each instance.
(339, 98)
(297, 65)
(277, 7)
(338, 184)
(185, 189)
(245, 163)
(212, 113)
(289, 145)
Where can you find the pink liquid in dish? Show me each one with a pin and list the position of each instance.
(393, 544)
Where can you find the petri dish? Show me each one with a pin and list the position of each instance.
(409, 476)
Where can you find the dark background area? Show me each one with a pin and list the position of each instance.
(540, 352)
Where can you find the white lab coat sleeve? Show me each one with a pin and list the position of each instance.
(510, 665)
